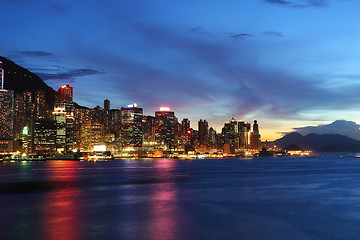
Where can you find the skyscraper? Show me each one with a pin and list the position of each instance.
(1, 75)
(131, 136)
(212, 136)
(40, 105)
(230, 136)
(165, 127)
(107, 104)
(44, 135)
(6, 120)
(244, 134)
(91, 133)
(203, 132)
(148, 129)
(185, 137)
(64, 104)
(6, 113)
(60, 118)
(255, 141)
(65, 92)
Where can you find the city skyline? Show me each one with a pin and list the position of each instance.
(287, 64)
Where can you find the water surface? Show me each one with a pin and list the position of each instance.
(278, 198)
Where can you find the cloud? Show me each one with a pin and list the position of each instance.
(213, 75)
(343, 127)
(240, 36)
(68, 75)
(274, 34)
(36, 53)
(200, 30)
(298, 3)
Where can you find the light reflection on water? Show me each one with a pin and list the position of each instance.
(61, 218)
(265, 198)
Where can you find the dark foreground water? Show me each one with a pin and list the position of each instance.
(263, 198)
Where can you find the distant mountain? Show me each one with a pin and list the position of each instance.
(318, 142)
(20, 79)
(346, 128)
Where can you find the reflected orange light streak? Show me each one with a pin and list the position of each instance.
(61, 207)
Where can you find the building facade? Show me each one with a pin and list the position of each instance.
(165, 128)
(131, 136)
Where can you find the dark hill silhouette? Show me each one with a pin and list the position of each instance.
(317, 142)
(20, 79)
(292, 147)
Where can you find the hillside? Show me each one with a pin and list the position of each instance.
(20, 79)
(319, 142)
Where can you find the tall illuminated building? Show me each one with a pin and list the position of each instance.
(65, 92)
(6, 119)
(203, 129)
(165, 127)
(60, 118)
(64, 105)
(91, 133)
(148, 128)
(131, 136)
(185, 137)
(230, 135)
(1, 75)
(40, 105)
(255, 140)
(212, 136)
(244, 134)
(44, 135)
(6, 113)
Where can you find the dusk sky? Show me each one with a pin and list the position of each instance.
(287, 63)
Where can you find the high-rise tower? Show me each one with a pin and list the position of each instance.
(107, 104)
(165, 127)
(203, 132)
(1, 75)
(6, 113)
(255, 140)
(131, 127)
(64, 107)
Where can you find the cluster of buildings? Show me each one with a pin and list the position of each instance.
(31, 125)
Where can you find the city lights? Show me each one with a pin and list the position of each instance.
(164, 109)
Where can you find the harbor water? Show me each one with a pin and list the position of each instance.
(316, 197)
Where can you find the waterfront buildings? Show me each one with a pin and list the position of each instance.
(185, 133)
(131, 136)
(91, 135)
(244, 134)
(203, 129)
(148, 128)
(1, 75)
(6, 113)
(107, 104)
(6, 120)
(64, 116)
(26, 120)
(255, 140)
(165, 127)
(60, 118)
(44, 135)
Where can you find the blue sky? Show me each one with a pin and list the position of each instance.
(286, 63)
